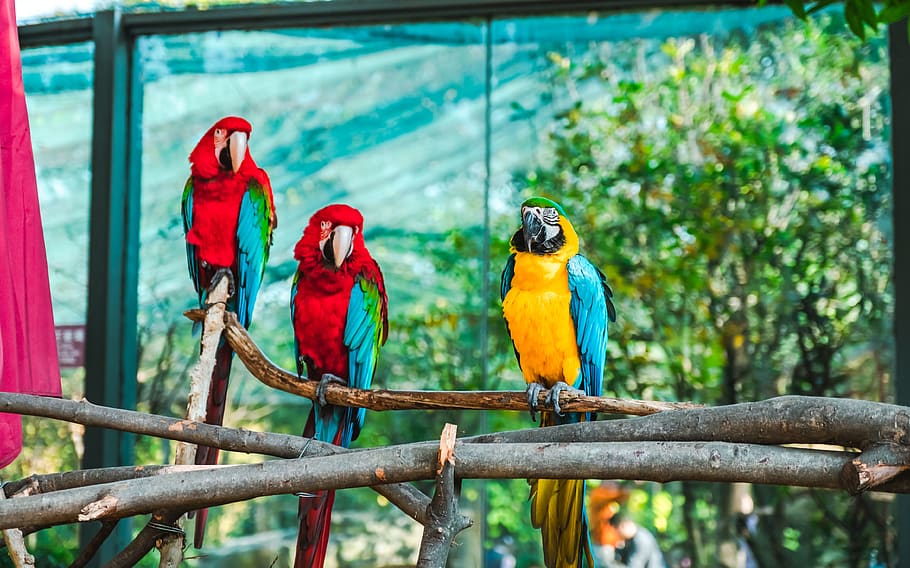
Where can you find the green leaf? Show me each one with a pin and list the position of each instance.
(820, 5)
(854, 20)
(867, 11)
(797, 7)
(894, 12)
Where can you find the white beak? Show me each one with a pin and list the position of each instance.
(238, 149)
(342, 244)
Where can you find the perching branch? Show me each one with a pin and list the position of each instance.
(782, 420)
(651, 461)
(220, 485)
(381, 399)
(411, 501)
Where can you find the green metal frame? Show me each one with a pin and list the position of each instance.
(899, 52)
(116, 149)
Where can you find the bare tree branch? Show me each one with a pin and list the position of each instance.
(443, 520)
(220, 485)
(15, 544)
(411, 501)
(171, 545)
(381, 399)
(651, 461)
(782, 420)
(875, 466)
(49, 482)
(87, 553)
(145, 540)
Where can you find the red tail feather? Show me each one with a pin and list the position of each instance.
(315, 515)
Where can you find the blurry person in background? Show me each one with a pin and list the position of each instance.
(603, 503)
(639, 548)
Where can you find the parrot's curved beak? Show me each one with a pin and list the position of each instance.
(237, 144)
(533, 227)
(342, 244)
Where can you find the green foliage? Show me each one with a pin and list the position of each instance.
(858, 14)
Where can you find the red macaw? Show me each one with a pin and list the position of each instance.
(228, 218)
(556, 305)
(339, 311)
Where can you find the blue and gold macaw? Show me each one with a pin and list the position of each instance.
(556, 305)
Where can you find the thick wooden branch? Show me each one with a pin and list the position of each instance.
(381, 399)
(651, 461)
(443, 520)
(411, 501)
(220, 485)
(783, 420)
(877, 465)
(46, 483)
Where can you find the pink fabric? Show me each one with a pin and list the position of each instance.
(28, 351)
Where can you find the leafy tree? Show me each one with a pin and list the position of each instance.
(735, 190)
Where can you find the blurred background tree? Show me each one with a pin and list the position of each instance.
(736, 193)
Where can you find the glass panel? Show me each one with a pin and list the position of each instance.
(58, 87)
(367, 116)
(730, 172)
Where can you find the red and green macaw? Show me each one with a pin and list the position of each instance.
(339, 311)
(228, 218)
(556, 305)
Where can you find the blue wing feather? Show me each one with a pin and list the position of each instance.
(591, 308)
(363, 334)
(253, 243)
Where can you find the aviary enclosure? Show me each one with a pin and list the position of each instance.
(729, 169)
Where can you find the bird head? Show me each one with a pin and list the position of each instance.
(545, 229)
(223, 148)
(334, 234)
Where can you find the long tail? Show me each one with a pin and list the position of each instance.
(558, 510)
(315, 515)
(334, 425)
(214, 414)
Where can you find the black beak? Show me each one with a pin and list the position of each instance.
(533, 229)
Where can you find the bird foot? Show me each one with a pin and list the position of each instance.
(216, 278)
(324, 383)
(533, 393)
(553, 397)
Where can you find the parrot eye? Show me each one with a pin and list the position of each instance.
(325, 225)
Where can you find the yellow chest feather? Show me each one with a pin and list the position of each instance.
(536, 309)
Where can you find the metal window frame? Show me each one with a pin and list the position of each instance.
(115, 199)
